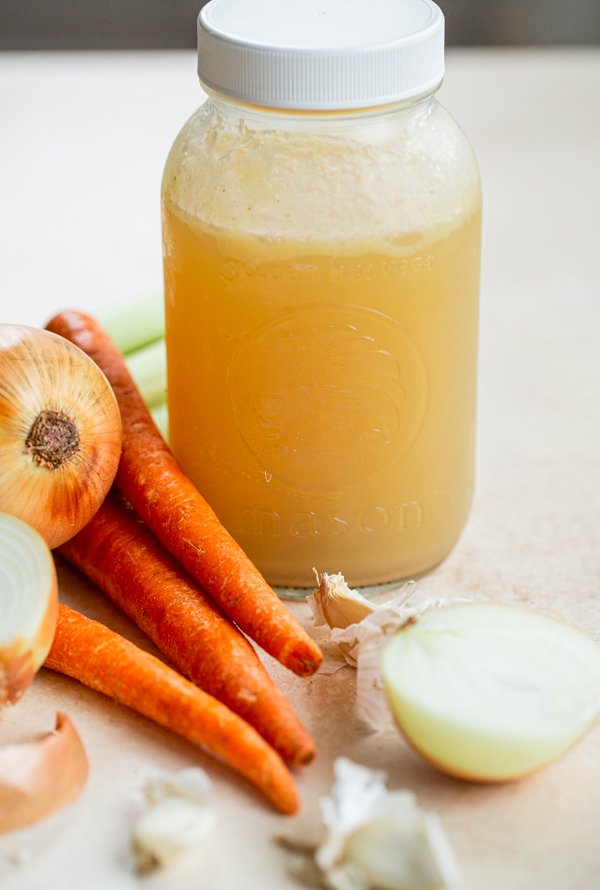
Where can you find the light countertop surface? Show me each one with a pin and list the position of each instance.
(84, 139)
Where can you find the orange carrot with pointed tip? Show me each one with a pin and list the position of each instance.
(125, 559)
(154, 483)
(105, 661)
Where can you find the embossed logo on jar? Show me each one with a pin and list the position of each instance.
(327, 396)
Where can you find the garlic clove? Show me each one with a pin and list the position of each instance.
(403, 848)
(491, 692)
(169, 827)
(361, 629)
(41, 776)
(333, 602)
(352, 619)
(180, 815)
(192, 783)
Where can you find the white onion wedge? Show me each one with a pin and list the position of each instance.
(41, 776)
(28, 605)
(491, 692)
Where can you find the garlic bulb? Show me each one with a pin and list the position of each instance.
(179, 816)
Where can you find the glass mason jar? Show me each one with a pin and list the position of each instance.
(321, 222)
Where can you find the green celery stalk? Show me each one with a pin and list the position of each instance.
(148, 367)
(136, 323)
(161, 419)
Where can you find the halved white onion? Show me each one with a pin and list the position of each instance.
(491, 692)
(28, 605)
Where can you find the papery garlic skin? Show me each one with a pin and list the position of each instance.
(180, 815)
(350, 617)
(491, 692)
(353, 619)
(378, 839)
(28, 605)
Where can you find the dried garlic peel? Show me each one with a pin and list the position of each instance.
(353, 619)
(491, 692)
(376, 839)
(179, 816)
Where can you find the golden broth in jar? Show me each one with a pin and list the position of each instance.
(323, 401)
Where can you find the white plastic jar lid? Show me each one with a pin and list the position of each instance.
(321, 54)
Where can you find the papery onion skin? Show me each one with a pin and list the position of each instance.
(41, 776)
(465, 747)
(22, 656)
(60, 432)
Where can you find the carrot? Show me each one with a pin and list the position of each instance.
(107, 662)
(125, 559)
(154, 483)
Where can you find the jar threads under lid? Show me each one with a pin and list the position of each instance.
(321, 54)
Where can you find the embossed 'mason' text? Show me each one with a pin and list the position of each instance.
(373, 520)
